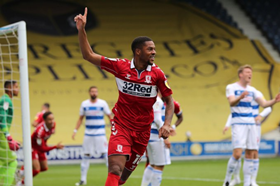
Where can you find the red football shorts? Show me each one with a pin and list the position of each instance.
(124, 141)
(41, 156)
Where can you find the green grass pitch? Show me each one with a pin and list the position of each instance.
(190, 173)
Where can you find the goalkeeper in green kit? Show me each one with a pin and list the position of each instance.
(8, 158)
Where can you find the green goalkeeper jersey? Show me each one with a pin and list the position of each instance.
(6, 117)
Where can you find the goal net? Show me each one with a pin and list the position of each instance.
(14, 67)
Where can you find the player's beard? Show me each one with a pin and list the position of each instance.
(149, 62)
(93, 97)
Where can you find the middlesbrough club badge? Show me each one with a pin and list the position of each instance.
(148, 79)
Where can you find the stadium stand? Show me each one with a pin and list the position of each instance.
(265, 14)
(214, 8)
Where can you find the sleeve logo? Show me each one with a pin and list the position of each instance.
(6, 105)
(166, 84)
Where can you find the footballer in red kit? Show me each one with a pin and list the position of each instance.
(39, 146)
(138, 82)
(39, 141)
(39, 116)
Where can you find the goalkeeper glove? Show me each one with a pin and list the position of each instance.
(14, 145)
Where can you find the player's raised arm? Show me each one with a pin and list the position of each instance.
(85, 47)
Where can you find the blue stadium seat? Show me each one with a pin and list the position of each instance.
(265, 14)
(214, 8)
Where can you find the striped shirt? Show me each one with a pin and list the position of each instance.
(94, 114)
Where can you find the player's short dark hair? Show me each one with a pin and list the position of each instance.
(47, 105)
(92, 88)
(9, 83)
(46, 114)
(138, 42)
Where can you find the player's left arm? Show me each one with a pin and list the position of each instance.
(43, 147)
(263, 103)
(266, 111)
(166, 93)
(165, 130)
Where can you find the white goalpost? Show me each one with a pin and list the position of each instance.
(14, 66)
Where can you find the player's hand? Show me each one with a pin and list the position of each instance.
(34, 124)
(13, 145)
(167, 143)
(258, 119)
(73, 135)
(164, 131)
(81, 20)
(244, 94)
(59, 146)
(225, 129)
(277, 98)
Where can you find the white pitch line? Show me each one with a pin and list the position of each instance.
(207, 180)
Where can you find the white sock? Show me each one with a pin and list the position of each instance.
(21, 172)
(255, 170)
(232, 163)
(84, 168)
(237, 170)
(147, 176)
(247, 170)
(157, 177)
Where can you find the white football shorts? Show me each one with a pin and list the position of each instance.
(95, 145)
(244, 136)
(158, 153)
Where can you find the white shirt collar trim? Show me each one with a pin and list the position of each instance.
(149, 67)
(46, 128)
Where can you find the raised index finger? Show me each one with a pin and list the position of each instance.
(85, 14)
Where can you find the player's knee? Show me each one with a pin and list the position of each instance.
(44, 169)
(237, 156)
(115, 169)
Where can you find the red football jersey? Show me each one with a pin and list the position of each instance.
(40, 136)
(39, 117)
(137, 92)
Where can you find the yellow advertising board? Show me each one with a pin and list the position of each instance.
(199, 54)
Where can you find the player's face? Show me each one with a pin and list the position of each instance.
(15, 89)
(49, 121)
(93, 93)
(246, 75)
(148, 52)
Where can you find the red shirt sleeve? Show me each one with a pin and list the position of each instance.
(38, 140)
(162, 84)
(112, 65)
(177, 109)
(43, 147)
(39, 117)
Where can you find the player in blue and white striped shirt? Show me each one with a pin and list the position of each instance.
(244, 133)
(258, 119)
(95, 141)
